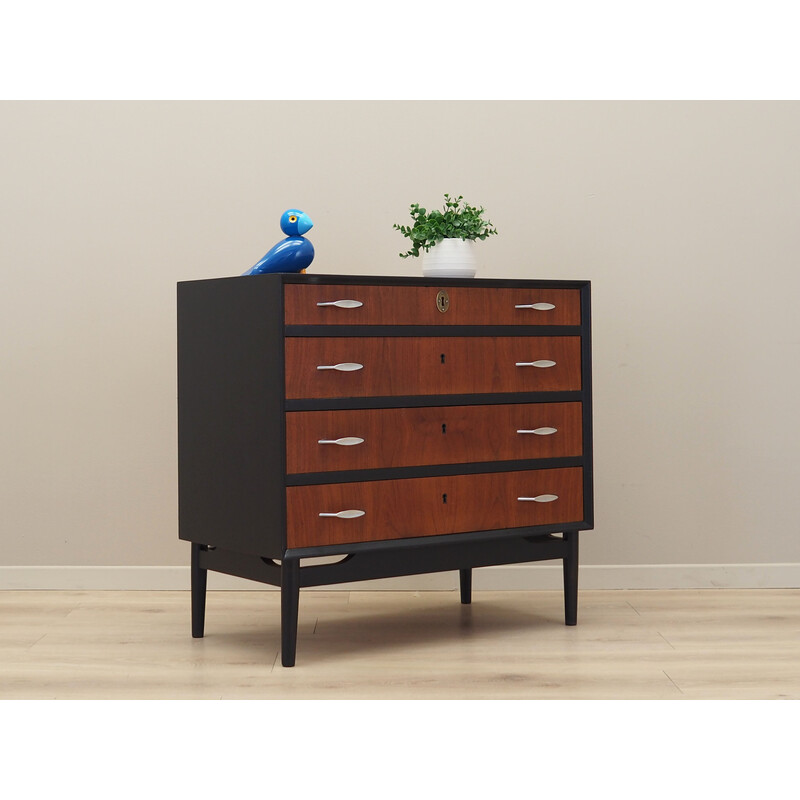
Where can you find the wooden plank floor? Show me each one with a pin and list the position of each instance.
(672, 645)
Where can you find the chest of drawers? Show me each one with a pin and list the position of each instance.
(401, 425)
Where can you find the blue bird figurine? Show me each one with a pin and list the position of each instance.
(292, 254)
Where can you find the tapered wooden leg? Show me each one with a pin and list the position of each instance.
(199, 580)
(465, 578)
(571, 578)
(290, 600)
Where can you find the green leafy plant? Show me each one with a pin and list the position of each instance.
(456, 220)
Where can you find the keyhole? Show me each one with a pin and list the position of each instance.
(444, 498)
(444, 427)
(442, 357)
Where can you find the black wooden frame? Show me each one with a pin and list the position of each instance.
(231, 448)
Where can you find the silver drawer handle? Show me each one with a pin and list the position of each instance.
(343, 303)
(537, 306)
(541, 431)
(542, 498)
(346, 367)
(347, 441)
(349, 514)
(542, 362)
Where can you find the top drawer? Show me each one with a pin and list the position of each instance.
(321, 304)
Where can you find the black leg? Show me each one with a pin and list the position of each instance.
(571, 578)
(465, 576)
(290, 600)
(199, 581)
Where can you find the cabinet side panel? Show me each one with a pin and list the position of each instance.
(230, 414)
(586, 366)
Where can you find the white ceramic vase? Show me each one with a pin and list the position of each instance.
(450, 258)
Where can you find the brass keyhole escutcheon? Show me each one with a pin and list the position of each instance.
(442, 301)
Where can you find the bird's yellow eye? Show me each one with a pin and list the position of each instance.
(293, 218)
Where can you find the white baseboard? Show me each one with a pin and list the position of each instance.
(514, 577)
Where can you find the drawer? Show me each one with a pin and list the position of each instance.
(401, 509)
(322, 441)
(319, 367)
(313, 304)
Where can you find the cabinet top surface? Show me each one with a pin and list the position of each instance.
(396, 280)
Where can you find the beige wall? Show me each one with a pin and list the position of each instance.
(685, 216)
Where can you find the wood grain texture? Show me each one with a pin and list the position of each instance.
(416, 305)
(400, 366)
(399, 509)
(406, 437)
(630, 644)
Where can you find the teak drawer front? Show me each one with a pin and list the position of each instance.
(400, 509)
(417, 305)
(323, 441)
(398, 366)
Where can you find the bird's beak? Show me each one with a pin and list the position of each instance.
(304, 224)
